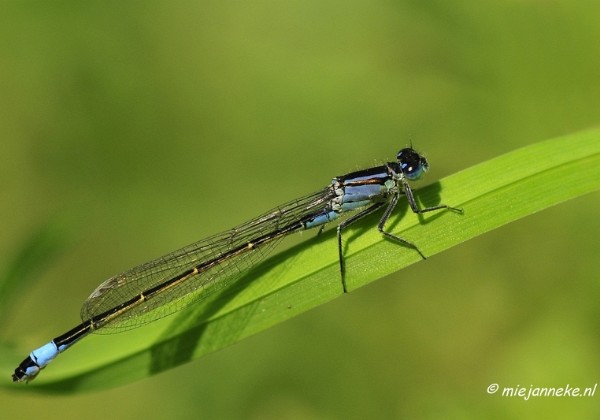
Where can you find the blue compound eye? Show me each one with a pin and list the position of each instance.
(412, 164)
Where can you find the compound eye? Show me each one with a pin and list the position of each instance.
(412, 164)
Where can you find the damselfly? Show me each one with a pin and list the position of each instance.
(167, 284)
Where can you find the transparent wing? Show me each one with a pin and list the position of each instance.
(125, 286)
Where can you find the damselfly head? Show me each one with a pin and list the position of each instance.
(412, 164)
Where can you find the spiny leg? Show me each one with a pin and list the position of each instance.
(386, 215)
(383, 221)
(344, 225)
(413, 205)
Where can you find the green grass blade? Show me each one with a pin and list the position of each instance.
(492, 194)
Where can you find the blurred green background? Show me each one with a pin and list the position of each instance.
(130, 129)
